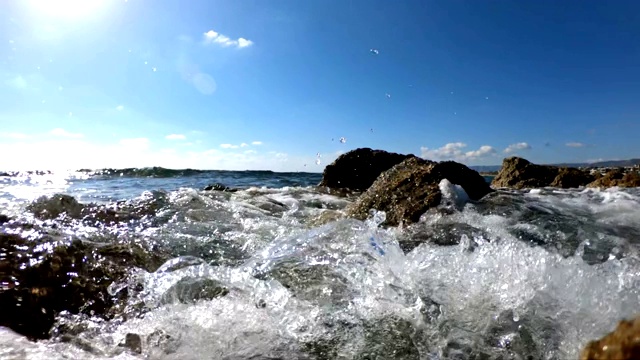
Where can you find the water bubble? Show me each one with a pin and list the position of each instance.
(343, 139)
(516, 317)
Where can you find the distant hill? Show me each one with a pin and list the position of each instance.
(609, 163)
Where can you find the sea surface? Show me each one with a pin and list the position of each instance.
(531, 274)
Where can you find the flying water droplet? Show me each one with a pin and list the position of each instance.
(343, 140)
(70, 114)
(486, 98)
(388, 96)
(154, 69)
(374, 51)
(145, 63)
(318, 161)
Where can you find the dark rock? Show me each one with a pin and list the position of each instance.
(189, 290)
(621, 344)
(4, 219)
(389, 338)
(618, 178)
(571, 178)
(40, 278)
(359, 168)
(409, 189)
(51, 207)
(133, 342)
(219, 187)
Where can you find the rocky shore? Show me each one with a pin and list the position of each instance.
(44, 274)
(406, 187)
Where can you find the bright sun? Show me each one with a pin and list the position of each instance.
(67, 8)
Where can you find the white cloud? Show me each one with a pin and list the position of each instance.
(64, 133)
(256, 143)
(575, 144)
(242, 42)
(211, 37)
(119, 107)
(13, 135)
(244, 145)
(175, 137)
(228, 146)
(517, 146)
(455, 151)
(250, 152)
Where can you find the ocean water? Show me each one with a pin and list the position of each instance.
(530, 274)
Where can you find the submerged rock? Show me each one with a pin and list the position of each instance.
(617, 177)
(40, 278)
(359, 168)
(519, 173)
(409, 189)
(190, 290)
(51, 207)
(219, 187)
(621, 344)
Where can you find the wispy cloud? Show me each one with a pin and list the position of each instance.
(64, 133)
(175, 137)
(119, 107)
(228, 146)
(256, 143)
(244, 145)
(575, 144)
(455, 151)
(517, 146)
(13, 135)
(213, 37)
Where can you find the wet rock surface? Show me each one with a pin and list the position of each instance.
(617, 177)
(219, 187)
(621, 344)
(519, 173)
(45, 276)
(359, 168)
(409, 189)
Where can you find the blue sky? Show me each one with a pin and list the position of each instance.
(271, 84)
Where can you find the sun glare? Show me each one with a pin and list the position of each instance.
(67, 9)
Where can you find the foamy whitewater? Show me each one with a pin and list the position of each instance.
(531, 274)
